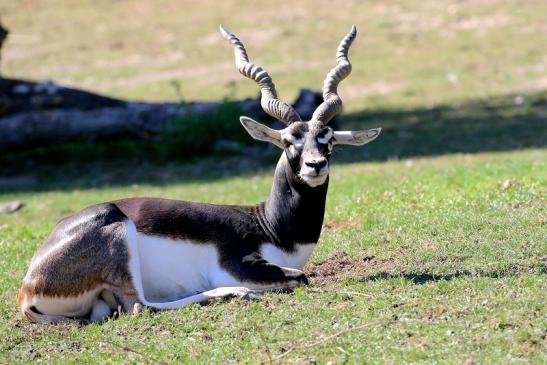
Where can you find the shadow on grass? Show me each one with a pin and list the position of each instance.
(340, 266)
(425, 277)
(496, 124)
(501, 123)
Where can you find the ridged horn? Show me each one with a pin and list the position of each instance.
(269, 101)
(332, 104)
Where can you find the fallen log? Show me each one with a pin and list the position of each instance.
(52, 114)
(39, 128)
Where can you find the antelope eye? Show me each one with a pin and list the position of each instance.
(324, 137)
(297, 136)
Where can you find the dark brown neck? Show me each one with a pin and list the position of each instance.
(294, 211)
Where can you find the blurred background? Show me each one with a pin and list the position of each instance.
(439, 76)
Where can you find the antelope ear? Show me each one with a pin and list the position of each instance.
(356, 138)
(261, 132)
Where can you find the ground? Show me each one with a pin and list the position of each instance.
(433, 249)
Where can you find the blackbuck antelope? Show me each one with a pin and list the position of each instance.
(168, 253)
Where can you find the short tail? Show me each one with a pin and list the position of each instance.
(33, 315)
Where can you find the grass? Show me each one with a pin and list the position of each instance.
(433, 250)
(457, 272)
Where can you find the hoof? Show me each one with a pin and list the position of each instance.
(137, 308)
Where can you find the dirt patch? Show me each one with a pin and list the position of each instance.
(341, 266)
(335, 226)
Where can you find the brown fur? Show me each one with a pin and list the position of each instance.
(41, 284)
(23, 298)
(94, 254)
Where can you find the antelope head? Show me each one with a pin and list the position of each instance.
(307, 144)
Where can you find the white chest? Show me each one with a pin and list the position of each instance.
(294, 260)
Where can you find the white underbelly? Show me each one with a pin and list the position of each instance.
(71, 306)
(172, 269)
(165, 269)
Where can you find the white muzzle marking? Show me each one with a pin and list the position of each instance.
(311, 176)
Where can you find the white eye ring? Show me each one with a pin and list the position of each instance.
(325, 138)
(322, 140)
(297, 142)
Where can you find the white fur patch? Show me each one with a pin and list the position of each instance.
(314, 181)
(311, 177)
(76, 306)
(294, 260)
(166, 270)
(297, 141)
(322, 140)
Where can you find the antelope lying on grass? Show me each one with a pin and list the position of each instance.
(169, 253)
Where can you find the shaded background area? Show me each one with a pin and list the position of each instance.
(500, 123)
(438, 77)
(503, 123)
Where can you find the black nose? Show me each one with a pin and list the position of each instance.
(317, 164)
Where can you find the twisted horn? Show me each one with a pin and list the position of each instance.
(332, 103)
(269, 101)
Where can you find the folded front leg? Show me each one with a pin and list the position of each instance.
(254, 272)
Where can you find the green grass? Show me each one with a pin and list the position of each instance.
(458, 272)
(444, 225)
